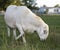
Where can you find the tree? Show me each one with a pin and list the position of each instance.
(29, 3)
(5, 3)
(57, 5)
(15, 2)
(44, 6)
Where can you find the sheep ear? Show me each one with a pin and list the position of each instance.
(44, 27)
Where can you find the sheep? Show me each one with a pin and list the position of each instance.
(25, 20)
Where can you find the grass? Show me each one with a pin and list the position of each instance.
(33, 42)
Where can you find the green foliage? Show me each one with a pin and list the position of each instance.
(30, 3)
(5, 3)
(15, 2)
(57, 5)
(33, 41)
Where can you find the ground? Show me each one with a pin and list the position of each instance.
(33, 42)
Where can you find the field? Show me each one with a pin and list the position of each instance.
(33, 42)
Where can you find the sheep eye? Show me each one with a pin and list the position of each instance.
(45, 32)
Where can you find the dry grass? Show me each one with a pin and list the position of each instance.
(33, 42)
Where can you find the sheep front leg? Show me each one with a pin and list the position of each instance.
(20, 30)
(23, 37)
(8, 30)
(14, 33)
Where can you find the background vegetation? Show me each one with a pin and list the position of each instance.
(33, 41)
(29, 3)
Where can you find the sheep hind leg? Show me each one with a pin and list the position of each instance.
(14, 32)
(8, 29)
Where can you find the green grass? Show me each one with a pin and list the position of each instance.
(33, 42)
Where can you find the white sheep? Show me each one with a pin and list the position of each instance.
(24, 19)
